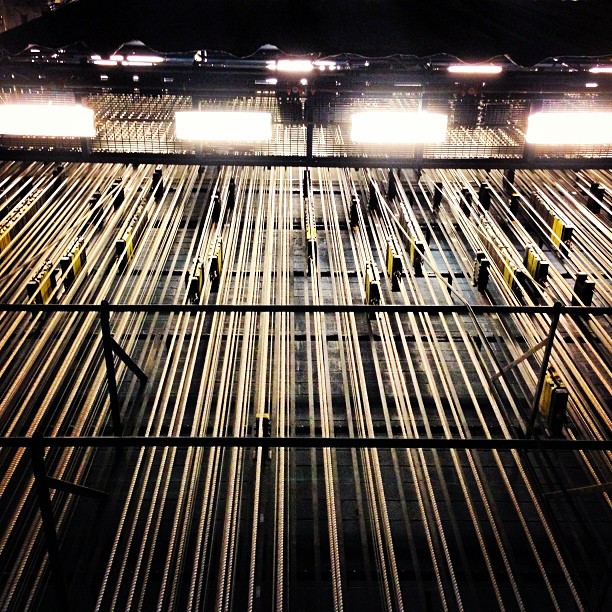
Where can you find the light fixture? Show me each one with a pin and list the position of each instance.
(294, 65)
(137, 64)
(324, 64)
(71, 121)
(223, 126)
(601, 70)
(151, 59)
(474, 69)
(398, 127)
(573, 128)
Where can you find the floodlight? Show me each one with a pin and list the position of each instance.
(398, 127)
(474, 69)
(138, 59)
(70, 121)
(294, 65)
(223, 126)
(573, 128)
(601, 70)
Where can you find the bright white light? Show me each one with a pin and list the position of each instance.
(569, 128)
(52, 120)
(95, 57)
(323, 64)
(601, 70)
(271, 81)
(474, 69)
(591, 85)
(153, 59)
(136, 64)
(221, 126)
(103, 62)
(398, 127)
(116, 58)
(303, 81)
(291, 65)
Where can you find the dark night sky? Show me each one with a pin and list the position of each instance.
(527, 30)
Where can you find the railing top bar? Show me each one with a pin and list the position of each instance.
(305, 442)
(303, 308)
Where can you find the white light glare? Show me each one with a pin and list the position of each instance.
(223, 126)
(398, 127)
(474, 69)
(116, 58)
(591, 85)
(291, 65)
(103, 62)
(152, 59)
(569, 128)
(324, 64)
(52, 120)
(601, 70)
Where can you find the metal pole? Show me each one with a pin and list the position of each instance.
(556, 315)
(37, 455)
(505, 444)
(109, 358)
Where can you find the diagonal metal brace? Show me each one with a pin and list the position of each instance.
(554, 322)
(128, 361)
(41, 485)
(513, 364)
(71, 487)
(111, 348)
(109, 358)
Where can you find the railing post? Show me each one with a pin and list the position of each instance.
(37, 456)
(109, 358)
(556, 315)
